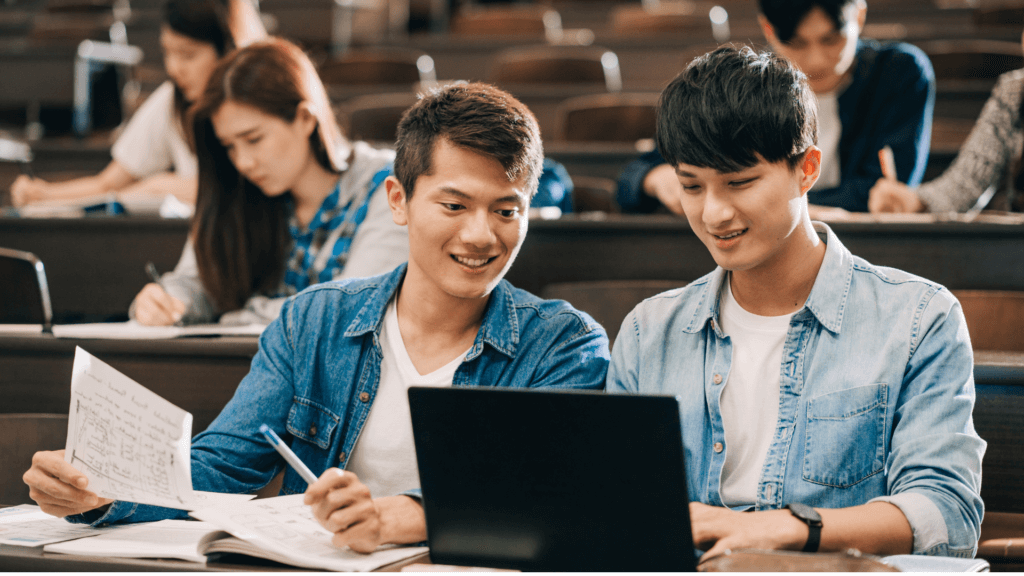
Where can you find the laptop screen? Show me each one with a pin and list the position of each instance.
(552, 480)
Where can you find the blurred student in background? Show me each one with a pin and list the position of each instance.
(994, 145)
(152, 156)
(869, 95)
(285, 200)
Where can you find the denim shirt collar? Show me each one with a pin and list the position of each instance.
(827, 300)
(500, 326)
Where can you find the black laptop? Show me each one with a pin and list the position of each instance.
(552, 481)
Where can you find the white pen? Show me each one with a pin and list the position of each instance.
(287, 453)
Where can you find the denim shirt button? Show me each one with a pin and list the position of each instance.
(312, 430)
(364, 396)
(718, 447)
(717, 379)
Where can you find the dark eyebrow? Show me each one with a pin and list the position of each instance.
(242, 134)
(463, 196)
(684, 173)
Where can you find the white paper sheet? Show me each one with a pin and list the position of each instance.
(285, 527)
(135, 331)
(29, 526)
(132, 444)
(181, 539)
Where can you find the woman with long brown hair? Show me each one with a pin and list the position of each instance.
(152, 157)
(285, 200)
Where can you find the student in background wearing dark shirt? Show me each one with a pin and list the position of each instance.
(869, 95)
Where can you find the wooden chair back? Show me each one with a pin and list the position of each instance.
(24, 292)
(380, 67)
(608, 301)
(666, 18)
(972, 59)
(594, 194)
(513, 20)
(995, 318)
(375, 117)
(21, 436)
(557, 65)
(618, 117)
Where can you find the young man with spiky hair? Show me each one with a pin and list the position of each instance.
(332, 371)
(828, 397)
(869, 95)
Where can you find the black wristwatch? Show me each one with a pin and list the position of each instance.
(808, 516)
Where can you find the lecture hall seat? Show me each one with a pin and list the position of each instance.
(531, 20)
(375, 117)
(557, 65)
(380, 66)
(995, 319)
(616, 117)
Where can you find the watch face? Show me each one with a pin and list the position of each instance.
(804, 512)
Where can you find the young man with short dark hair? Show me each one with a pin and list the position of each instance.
(332, 371)
(809, 379)
(869, 95)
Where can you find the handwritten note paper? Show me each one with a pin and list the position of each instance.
(29, 526)
(132, 444)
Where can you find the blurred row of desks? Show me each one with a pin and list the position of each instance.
(96, 265)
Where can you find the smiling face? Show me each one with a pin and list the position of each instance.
(747, 219)
(268, 151)
(822, 52)
(189, 62)
(466, 223)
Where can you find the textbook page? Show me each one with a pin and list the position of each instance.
(134, 331)
(283, 529)
(180, 539)
(27, 525)
(129, 442)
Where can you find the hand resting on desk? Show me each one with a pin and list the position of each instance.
(343, 505)
(155, 307)
(893, 196)
(59, 488)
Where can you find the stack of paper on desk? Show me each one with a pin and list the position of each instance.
(283, 529)
(136, 331)
(27, 525)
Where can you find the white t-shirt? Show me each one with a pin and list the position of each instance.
(829, 132)
(750, 397)
(384, 457)
(153, 142)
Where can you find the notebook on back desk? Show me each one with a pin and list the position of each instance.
(552, 481)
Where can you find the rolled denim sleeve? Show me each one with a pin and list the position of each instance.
(934, 470)
(231, 456)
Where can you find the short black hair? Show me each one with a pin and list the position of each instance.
(786, 15)
(732, 107)
(475, 116)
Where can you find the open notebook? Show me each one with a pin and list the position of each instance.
(281, 529)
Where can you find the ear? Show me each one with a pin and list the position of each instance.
(305, 119)
(396, 200)
(810, 169)
(862, 15)
(767, 29)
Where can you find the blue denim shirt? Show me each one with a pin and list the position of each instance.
(317, 370)
(876, 395)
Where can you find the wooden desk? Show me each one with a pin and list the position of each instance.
(96, 265)
(627, 247)
(19, 559)
(199, 375)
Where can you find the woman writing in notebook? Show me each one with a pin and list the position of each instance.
(285, 200)
(993, 146)
(152, 156)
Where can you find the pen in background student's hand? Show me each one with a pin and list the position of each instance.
(154, 275)
(885, 158)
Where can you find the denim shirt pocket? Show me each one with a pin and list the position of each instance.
(311, 422)
(845, 438)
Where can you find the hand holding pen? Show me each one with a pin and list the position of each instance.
(889, 194)
(154, 306)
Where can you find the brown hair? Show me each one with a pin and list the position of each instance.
(224, 24)
(476, 116)
(241, 236)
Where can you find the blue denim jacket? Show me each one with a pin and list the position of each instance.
(876, 395)
(317, 370)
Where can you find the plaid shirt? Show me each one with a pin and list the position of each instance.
(320, 250)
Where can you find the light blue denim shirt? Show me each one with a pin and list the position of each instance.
(317, 370)
(876, 395)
